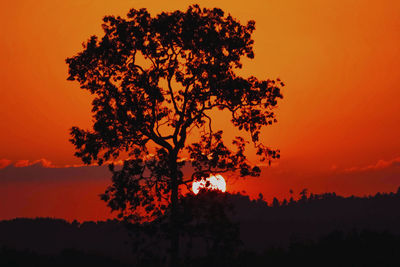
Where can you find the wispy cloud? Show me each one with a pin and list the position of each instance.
(45, 163)
(379, 165)
(41, 162)
(4, 163)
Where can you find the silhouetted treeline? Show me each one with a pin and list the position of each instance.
(10, 257)
(310, 216)
(279, 232)
(53, 236)
(356, 248)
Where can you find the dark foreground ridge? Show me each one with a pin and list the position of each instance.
(323, 230)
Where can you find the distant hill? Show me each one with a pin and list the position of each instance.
(262, 226)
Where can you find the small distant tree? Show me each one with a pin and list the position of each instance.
(303, 194)
(275, 203)
(156, 81)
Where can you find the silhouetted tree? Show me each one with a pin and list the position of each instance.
(303, 194)
(207, 218)
(154, 80)
(275, 203)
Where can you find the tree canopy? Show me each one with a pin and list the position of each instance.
(155, 81)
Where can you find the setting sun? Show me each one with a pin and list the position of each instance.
(216, 182)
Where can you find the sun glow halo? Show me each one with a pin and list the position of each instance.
(216, 182)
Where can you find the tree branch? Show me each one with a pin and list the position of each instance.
(171, 93)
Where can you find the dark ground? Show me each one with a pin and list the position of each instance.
(315, 230)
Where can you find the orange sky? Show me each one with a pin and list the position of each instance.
(340, 60)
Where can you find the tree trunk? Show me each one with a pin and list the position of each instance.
(174, 214)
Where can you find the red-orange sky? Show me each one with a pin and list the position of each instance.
(338, 124)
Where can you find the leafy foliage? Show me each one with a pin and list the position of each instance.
(154, 80)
